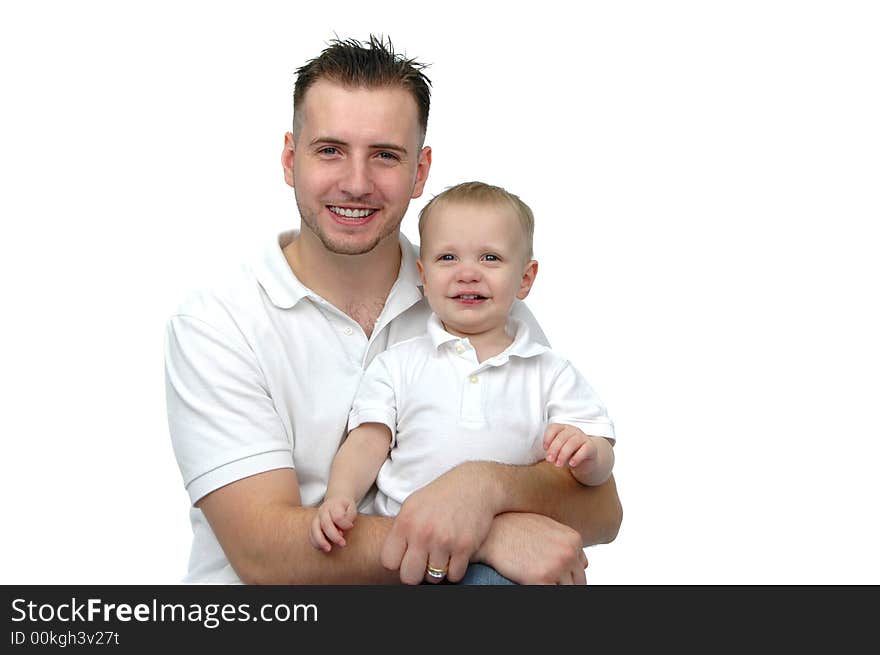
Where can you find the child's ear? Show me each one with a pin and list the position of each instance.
(421, 270)
(528, 279)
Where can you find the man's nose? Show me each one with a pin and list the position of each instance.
(357, 181)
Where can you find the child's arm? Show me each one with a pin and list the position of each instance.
(354, 469)
(590, 459)
(579, 433)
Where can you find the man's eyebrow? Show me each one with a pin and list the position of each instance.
(334, 141)
(328, 140)
(388, 146)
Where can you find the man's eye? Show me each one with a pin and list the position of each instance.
(389, 156)
(329, 150)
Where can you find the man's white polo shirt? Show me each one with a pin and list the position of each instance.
(261, 374)
(444, 407)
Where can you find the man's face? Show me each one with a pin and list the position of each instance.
(473, 264)
(355, 164)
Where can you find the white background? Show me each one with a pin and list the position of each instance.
(705, 180)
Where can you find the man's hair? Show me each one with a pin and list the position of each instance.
(369, 65)
(485, 194)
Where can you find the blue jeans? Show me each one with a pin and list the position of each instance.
(480, 574)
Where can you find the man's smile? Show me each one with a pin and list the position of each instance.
(352, 215)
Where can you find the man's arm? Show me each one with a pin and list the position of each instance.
(595, 512)
(263, 529)
(220, 417)
(451, 517)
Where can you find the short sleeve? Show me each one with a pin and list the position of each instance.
(223, 423)
(376, 401)
(572, 401)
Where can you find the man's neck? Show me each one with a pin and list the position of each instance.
(358, 285)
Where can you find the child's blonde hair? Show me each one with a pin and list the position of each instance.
(480, 192)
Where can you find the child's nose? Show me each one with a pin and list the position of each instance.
(468, 273)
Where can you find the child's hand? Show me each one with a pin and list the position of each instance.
(334, 517)
(566, 444)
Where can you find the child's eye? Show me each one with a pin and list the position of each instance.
(446, 258)
(491, 258)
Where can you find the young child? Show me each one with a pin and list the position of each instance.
(475, 386)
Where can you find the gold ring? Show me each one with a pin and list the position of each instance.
(437, 574)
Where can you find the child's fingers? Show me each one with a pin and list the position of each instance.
(553, 449)
(550, 433)
(562, 437)
(343, 516)
(316, 536)
(585, 452)
(330, 530)
(555, 446)
(568, 449)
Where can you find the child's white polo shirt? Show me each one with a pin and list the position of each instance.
(444, 407)
(260, 375)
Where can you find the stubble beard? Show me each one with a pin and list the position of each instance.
(310, 222)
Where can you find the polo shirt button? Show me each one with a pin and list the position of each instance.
(474, 379)
(348, 331)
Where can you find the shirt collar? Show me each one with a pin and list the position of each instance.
(522, 346)
(407, 289)
(285, 290)
(437, 333)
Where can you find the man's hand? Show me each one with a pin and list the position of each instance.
(533, 549)
(334, 517)
(441, 524)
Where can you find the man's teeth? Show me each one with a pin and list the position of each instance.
(352, 213)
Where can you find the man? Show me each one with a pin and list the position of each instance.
(261, 374)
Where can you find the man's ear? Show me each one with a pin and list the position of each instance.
(528, 279)
(287, 158)
(422, 171)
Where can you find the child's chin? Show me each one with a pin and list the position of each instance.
(464, 327)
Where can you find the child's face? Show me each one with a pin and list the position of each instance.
(473, 265)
